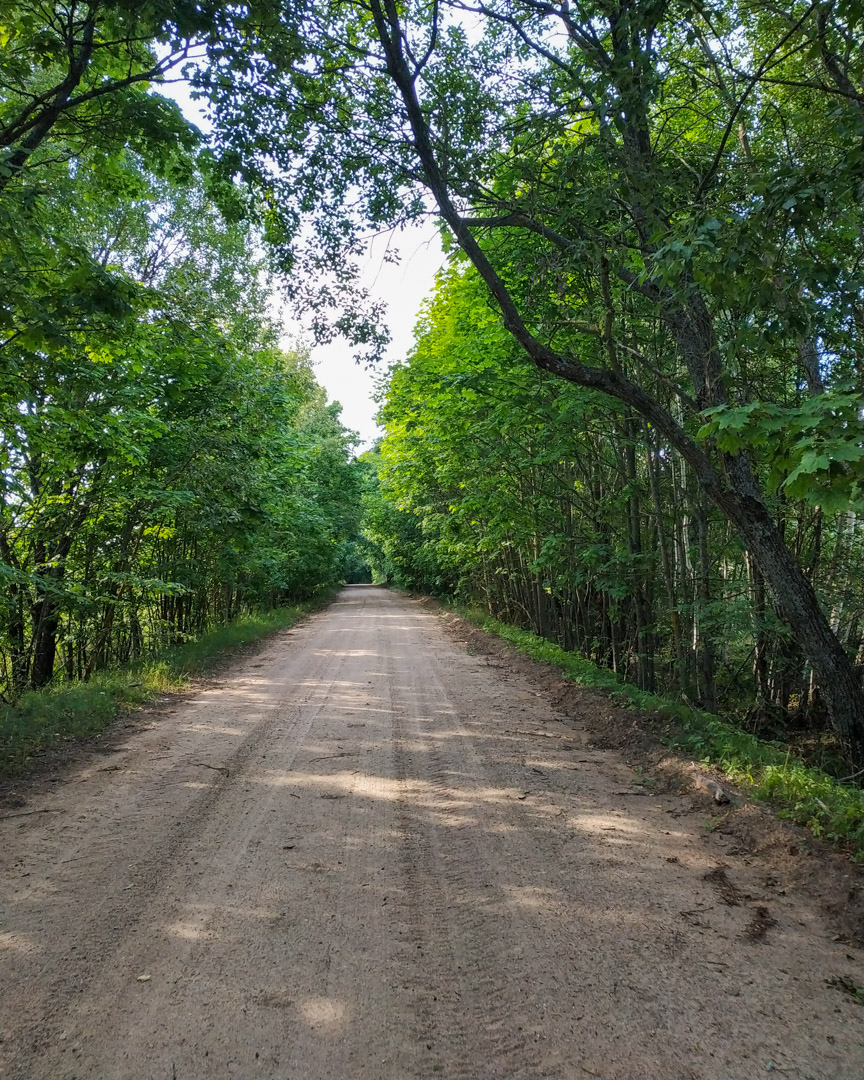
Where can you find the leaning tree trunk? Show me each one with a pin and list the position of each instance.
(798, 605)
(736, 492)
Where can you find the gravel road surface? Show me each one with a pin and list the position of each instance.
(363, 852)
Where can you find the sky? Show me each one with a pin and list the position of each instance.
(403, 286)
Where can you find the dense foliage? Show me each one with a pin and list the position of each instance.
(663, 200)
(632, 419)
(554, 509)
(165, 465)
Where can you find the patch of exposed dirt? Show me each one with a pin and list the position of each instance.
(787, 856)
(50, 765)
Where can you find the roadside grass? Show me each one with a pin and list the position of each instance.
(809, 796)
(66, 711)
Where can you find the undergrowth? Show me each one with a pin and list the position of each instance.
(802, 793)
(42, 719)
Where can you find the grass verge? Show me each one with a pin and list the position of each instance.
(58, 714)
(801, 793)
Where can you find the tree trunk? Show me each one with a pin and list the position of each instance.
(798, 605)
(652, 465)
(15, 626)
(46, 611)
(704, 643)
(46, 621)
(736, 493)
(760, 638)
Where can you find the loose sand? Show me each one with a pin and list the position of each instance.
(364, 852)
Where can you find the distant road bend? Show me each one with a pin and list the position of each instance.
(358, 854)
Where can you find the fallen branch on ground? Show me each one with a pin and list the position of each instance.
(537, 734)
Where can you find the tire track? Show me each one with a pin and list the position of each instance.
(395, 879)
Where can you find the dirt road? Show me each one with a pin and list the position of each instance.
(366, 853)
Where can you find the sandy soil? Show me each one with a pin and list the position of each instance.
(368, 853)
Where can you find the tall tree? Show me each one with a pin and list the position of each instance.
(698, 168)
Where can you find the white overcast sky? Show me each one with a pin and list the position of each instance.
(403, 286)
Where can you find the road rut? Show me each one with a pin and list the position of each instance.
(366, 853)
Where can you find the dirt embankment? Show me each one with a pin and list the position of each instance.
(368, 853)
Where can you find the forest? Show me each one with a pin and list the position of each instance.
(166, 465)
(631, 420)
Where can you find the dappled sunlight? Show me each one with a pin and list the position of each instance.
(215, 729)
(384, 838)
(17, 942)
(346, 652)
(379, 617)
(532, 897)
(199, 919)
(464, 805)
(378, 787)
(417, 792)
(360, 685)
(551, 766)
(188, 931)
(414, 746)
(354, 707)
(604, 823)
(448, 820)
(323, 1011)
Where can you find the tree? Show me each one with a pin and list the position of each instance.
(76, 74)
(165, 465)
(693, 168)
